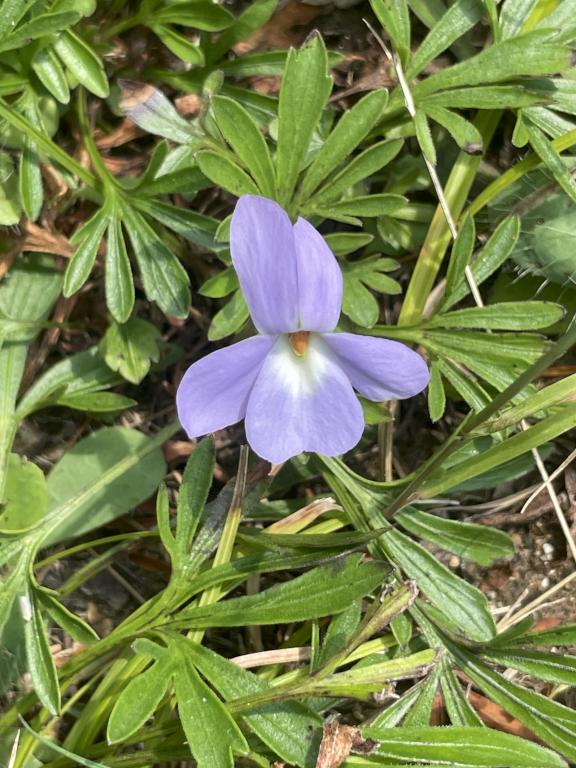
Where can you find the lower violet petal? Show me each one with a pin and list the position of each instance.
(214, 391)
(379, 369)
(302, 403)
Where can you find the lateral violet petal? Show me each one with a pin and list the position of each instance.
(380, 369)
(263, 254)
(302, 404)
(214, 391)
(319, 280)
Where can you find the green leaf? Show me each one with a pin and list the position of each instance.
(563, 635)
(194, 489)
(320, 592)
(363, 680)
(358, 303)
(226, 174)
(514, 15)
(424, 136)
(458, 745)
(10, 207)
(163, 520)
(40, 662)
(131, 347)
(461, 254)
(500, 453)
(87, 239)
(252, 18)
(469, 390)
(230, 318)
(436, 393)
(201, 14)
(82, 62)
(552, 722)
(507, 316)
(25, 496)
(550, 157)
(464, 133)
(559, 393)
(364, 206)
(396, 712)
(82, 373)
(395, 18)
(421, 711)
(528, 54)
(245, 138)
(195, 227)
(212, 734)
(462, 604)
(138, 700)
(119, 284)
(30, 179)
(351, 129)
(456, 702)
(180, 46)
(303, 96)
(79, 479)
(359, 168)
(51, 74)
(482, 97)
(495, 347)
(492, 256)
(220, 285)
(343, 243)
(43, 25)
(374, 413)
(339, 632)
(480, 543)
(455, 22)
(165, 279)
(554, 667)
(288, 728)
(76, 627)
(96, 402)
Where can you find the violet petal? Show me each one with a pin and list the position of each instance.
(319, 280)
(214, 391)
(263, 254)
(302, 404)
(380, 369)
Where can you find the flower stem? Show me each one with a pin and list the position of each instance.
(438, 237)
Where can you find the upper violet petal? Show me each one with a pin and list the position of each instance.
(302, 404)
(379, 369)
(263, 254)
(214, 391)
(319, 280)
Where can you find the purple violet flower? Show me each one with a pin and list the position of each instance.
(294, 382)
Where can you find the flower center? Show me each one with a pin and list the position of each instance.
(299, 342)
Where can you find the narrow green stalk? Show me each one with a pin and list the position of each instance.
(86, 131)
(438, 237)
(228, 539)
(45, 144)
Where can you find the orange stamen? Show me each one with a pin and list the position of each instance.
(299, 342)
